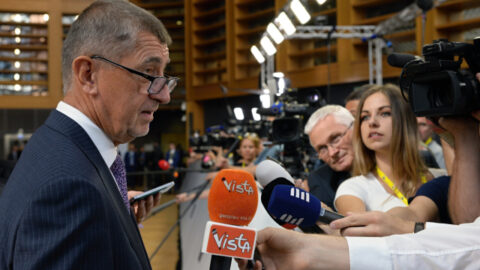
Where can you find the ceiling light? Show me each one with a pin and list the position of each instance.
(300, 12)
(255, 115)
(267, 46)
(238, 113)
(321, 2)
(274, 33)
(285, 24)
(257, 54)
(265, 100)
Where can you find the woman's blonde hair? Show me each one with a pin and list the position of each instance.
(406, 162)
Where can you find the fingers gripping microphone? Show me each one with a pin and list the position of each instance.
(232, 203)
(298, 207)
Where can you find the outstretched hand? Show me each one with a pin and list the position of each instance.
(373, 223)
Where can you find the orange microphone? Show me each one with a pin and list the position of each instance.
(232, 203)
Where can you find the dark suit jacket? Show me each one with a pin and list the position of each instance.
(61, 208)
(324, 182)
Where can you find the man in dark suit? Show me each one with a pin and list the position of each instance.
(65, 205)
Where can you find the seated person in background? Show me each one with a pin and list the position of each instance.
(387, 164)
(330, 133)
(426, 132)
(351, 101)
(247, 151)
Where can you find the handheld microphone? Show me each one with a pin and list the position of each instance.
(232, 203)
(400, 59)
(271, 174)
(298, 207)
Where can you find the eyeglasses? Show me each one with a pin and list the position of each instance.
(333, 143)
(157, 83)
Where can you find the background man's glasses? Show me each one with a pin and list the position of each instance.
(333, 143)
(157, 83)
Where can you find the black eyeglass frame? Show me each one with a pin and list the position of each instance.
(334, 142)
(168, 79)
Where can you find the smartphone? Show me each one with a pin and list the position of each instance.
(160, 189)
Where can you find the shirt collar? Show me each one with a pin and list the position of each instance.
(104, 145)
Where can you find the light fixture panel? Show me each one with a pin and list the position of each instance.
(268, 46)
(274, 33)
(257, 54)
(300, 12)
(285, 24)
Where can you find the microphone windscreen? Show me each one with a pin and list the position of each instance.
(399, 59)
(269, 170)
(425, 5)
(233, 197)
(294, 206)
(268, 189)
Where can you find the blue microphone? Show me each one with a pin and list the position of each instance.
(297, 207)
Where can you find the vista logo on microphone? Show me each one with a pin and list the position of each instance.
(228, 240)
(232, 186)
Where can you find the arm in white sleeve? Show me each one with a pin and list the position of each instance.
(439, 246)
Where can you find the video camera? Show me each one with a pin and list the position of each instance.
(437, 86)
(215, 136)
(287, 129)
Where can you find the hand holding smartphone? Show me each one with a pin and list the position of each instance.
(160, 189)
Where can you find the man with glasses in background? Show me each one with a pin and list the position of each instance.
(65, 205)
(330, 131)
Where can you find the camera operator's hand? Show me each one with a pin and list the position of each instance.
(465, 182)
(462, 128)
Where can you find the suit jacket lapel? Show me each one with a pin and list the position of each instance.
(79, 137)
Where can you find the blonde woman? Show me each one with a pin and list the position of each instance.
(248, 150)
(387, 168)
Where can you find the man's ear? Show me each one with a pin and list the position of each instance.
(84, 74)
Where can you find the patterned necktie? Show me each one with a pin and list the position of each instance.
(118, 171)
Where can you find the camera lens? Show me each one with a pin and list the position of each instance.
(441, 95)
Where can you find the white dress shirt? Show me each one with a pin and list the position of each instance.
(104, 145)
(439, 246)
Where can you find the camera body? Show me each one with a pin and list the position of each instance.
(437, 86)
(287, 130)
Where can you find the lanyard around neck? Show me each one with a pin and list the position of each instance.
(392, 186)
(428, 141)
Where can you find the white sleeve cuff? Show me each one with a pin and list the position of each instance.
(369, 253)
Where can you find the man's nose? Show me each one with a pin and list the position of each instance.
(332, 150)
(163, 97)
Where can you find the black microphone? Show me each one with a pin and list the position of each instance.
(298, 207)
(271, 174)
(400, 59)
(424, 5)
